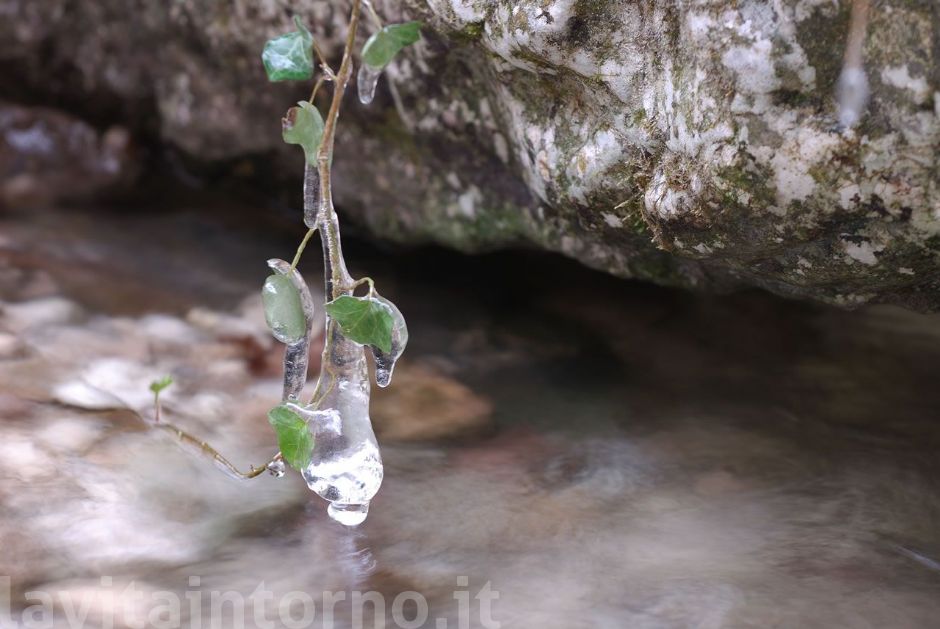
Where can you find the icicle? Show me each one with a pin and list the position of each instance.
(385, 363)
(366, 80)
(346, 467)
(851, 95)
(311, 195)
(852, 86)
(297, 353)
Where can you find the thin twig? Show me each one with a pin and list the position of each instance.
(323, 62)
(337, 278)
(316, 88)
(300, 249)
(372, 14)
(200, 446)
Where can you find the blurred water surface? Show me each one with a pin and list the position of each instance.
(600, 453)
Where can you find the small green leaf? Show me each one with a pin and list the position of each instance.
(290, 56)
(293, 436)
(382, 47)
(159, 385)
(363, 320)
(283, 310)
(304, 126)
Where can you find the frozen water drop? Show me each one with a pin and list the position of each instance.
(385, 362)
(348, 514)
(276, 468)
(384, 366)
(366, 81)
(851, 95)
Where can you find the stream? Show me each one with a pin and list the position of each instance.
(562, 449)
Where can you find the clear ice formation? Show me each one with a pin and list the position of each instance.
(346, 467)
(366, 80)
(311, 197)
(297, 353)
(282, 309)
(385, 362)
(277, 468)
(851, 95)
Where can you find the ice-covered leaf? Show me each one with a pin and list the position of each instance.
(383, 45)
(159, 385)
(303, 125)
(290, 56)
(364, 320)
(293, 436)
(385, 361)
(283, 309)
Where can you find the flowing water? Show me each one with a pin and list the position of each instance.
(598, 453)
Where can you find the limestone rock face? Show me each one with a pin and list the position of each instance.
(688, 143)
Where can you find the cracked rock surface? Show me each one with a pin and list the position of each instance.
(686, 143)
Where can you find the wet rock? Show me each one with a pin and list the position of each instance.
(48, 156)
(10, 346)
(683, 144)
(37, 313)
(423, 405)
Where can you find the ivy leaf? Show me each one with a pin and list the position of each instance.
(159, 385)
(293, 436)
(304, 126)
(283, 309)
(290, 56)
(382, 47)
(364, 320)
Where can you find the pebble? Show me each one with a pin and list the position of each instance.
(424, 405)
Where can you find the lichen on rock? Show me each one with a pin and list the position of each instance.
(686, 143)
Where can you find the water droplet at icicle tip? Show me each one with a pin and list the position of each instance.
(366, 80)
(348, 514)
(385, 362)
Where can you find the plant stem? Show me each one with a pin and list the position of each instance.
(372, 14)
(213, 455)
(300, 249)
(316, 88)
(194, 443)
(323, 64)
(337, 280)
(337, 277)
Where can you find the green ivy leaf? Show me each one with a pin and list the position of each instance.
(382, 47)
(304, 126)
(293, 436)
(283, 309)
(159, 385)
(363, 320)
(290, 56)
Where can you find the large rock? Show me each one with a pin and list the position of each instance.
(690, 143)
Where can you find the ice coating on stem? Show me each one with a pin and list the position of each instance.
(311, 196)
(366, 80)
(385, 362)
(345, 466)
(297, 354)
